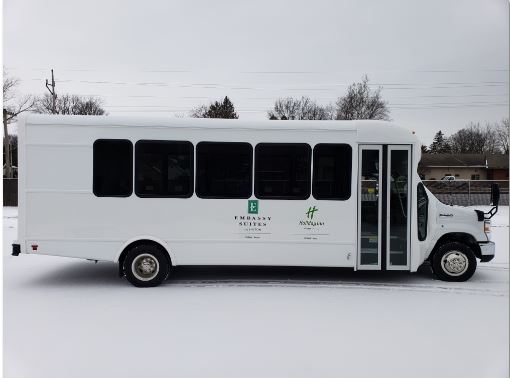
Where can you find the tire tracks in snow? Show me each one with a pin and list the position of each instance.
(432, 288)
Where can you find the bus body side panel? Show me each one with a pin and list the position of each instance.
(64, 217)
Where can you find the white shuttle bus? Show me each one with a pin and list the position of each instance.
(154, 193)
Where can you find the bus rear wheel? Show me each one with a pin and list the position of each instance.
(454, 261)
(146, 265)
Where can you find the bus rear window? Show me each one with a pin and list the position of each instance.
(112, 168)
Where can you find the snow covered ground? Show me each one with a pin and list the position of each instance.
(72, 318)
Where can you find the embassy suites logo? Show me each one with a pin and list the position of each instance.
(252, 222)
(310, 222)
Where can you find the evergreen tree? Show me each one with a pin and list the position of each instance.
(217, 109)
(440, 144)
(222, 110)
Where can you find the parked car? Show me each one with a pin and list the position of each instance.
(448, 178)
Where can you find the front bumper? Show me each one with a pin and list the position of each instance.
(488, 250)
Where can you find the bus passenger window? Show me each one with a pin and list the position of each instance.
(224, 170)
(282, 171)
(163, 169)
(332, 171)
(112, 168)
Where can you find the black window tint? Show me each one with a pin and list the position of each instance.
(282, 171)
(112, 168)
(332, 171)
(423, 208)
(163, 169)
(224, 170)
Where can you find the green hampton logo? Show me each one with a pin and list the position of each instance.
(253, 206)
(309, 223)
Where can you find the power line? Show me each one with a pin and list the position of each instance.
(274, 72)
(390, 104)
(308, 88)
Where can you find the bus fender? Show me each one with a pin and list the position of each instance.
(141, 238)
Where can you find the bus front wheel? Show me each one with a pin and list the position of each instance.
(454, 261)
(146, 265)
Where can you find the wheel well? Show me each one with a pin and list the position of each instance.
(136, 243)
(460, 237)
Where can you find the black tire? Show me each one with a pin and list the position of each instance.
(455, 271)
(146, 265)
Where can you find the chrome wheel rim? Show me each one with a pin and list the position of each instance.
(454, 263)
(145, 267)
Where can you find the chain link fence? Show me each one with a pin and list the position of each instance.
(467, 192)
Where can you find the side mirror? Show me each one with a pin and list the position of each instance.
(495, 195)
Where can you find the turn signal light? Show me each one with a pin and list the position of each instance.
(487, 226)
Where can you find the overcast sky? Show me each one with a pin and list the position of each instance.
(442, 63)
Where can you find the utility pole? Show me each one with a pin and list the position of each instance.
(8, 170)
(53, 94)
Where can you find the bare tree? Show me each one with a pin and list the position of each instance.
(10, 84)
(475, 139)
(14, 105)
(361, 102)
(502, 131)
(89, 106)
(469, 140)
(199, 111)
(490, 142)
(68, 104)
(299, 109)
(25, 103)
(285, 107)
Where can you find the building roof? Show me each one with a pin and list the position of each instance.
(453, 160)
(496, 161)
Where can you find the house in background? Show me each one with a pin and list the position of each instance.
(497, 167)
(464, 166)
